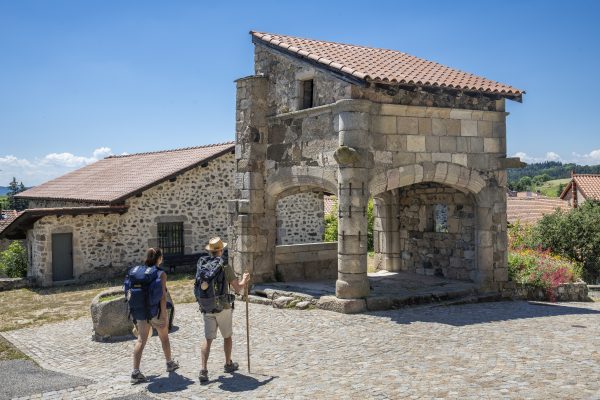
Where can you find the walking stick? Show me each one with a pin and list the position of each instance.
(247, 325)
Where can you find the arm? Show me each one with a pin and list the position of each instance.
(238, 285)
(163, 300)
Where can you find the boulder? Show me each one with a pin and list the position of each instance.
(110, 316)
(303, 305)
(282, 302)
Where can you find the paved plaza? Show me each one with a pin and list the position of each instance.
(486, 350)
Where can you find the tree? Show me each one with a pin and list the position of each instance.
(15, 188)
(13, 261)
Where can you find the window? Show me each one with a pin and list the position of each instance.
(170, 238)
(440, 218)
(307, 94)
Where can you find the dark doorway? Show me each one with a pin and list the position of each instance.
(62, 256)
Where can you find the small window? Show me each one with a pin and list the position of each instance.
(170, 238)
(307, 94)
(440, 218)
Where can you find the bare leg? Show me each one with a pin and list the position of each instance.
(227, 346)
(205, 350)
(142, 328)
(163, 334)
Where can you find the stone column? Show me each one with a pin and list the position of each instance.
(353, 196)
(250, 223)
(386, 231)
(491, 238)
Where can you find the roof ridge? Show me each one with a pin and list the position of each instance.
(578, 175)
(332, 42)
(171, 150)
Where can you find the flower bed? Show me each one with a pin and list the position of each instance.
(537, 271)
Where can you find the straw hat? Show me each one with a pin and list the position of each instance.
(215, 244)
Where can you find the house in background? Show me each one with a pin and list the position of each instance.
(583, 187)
(6, 217)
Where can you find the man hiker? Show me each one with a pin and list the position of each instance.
(213, 277)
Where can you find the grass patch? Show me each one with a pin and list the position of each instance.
(10, 352)
(34, 307)
(552, 188)
(111, 298)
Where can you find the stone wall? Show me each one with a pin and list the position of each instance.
(107, 244)
(300, 218)
(424, 250)
(306, 262)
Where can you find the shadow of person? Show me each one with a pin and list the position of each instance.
(171, 383)
(242, 383)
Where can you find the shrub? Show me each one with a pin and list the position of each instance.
(575, 235)
(13, 261)
(542, 269)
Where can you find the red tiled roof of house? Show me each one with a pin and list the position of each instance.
(532, 209)
(384, 66)
(115, 178)
(7, 216)
(588, 185)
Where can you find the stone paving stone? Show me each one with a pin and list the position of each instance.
(483, 351)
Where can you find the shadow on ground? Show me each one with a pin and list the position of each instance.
(171, 383)
(237, 382)
(480, 313)
(23, 378)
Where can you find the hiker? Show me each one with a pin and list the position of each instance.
(146, 293)
(213, 277)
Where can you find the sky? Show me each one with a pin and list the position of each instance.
(80, 80)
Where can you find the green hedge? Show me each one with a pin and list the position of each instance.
(13, 261)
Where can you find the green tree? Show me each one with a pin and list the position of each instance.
(13, 261)
(15, 188)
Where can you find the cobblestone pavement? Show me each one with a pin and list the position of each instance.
(485, 350)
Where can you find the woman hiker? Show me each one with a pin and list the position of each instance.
(154, 258)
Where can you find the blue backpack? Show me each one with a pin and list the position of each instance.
(143, 292)
(210, 287)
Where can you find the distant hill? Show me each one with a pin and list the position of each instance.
(554, 169)
(3, 190)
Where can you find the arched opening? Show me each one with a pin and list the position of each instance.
(426, 228)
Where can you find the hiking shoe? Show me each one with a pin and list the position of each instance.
(203, 375)
(231, 367)
(138, 378)
(172, 366)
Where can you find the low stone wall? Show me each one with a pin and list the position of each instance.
(13, 283)
(306, 262)
(565, 292)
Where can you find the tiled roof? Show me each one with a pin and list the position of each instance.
(384, 66)
(588, 184)
(115, 178)
(7, 216)
(329, 204)
(532, 209)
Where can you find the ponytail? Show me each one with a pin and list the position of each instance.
(152, 256)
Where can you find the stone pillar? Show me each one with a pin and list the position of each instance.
(353, 197)
(251, 223)
(491, 238)
(386, 232)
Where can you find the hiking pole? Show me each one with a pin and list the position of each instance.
(247, 324)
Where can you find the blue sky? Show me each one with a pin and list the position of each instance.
(83, 79)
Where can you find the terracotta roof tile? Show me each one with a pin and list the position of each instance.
(589, 185)
(532, 209)
(7, 216)
(385, 66)
(117, 177)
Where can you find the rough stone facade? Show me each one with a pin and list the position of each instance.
(360, 142)
(107, 244)
(300, 218)
(449, 253)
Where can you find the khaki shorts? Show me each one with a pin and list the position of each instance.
(222, 320)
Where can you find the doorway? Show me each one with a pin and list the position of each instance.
(62, 256)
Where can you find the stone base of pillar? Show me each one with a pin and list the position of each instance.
(352, 286)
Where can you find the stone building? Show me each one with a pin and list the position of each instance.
(426, 142)
(98, 220)
(581, 188)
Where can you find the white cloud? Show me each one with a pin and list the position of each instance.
(550, 156)
(591, 158)
(39, 170)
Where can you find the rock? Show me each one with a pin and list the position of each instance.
(379, 303)
(303, 305)
(110, 316)
(345, 306)
(282, 302)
